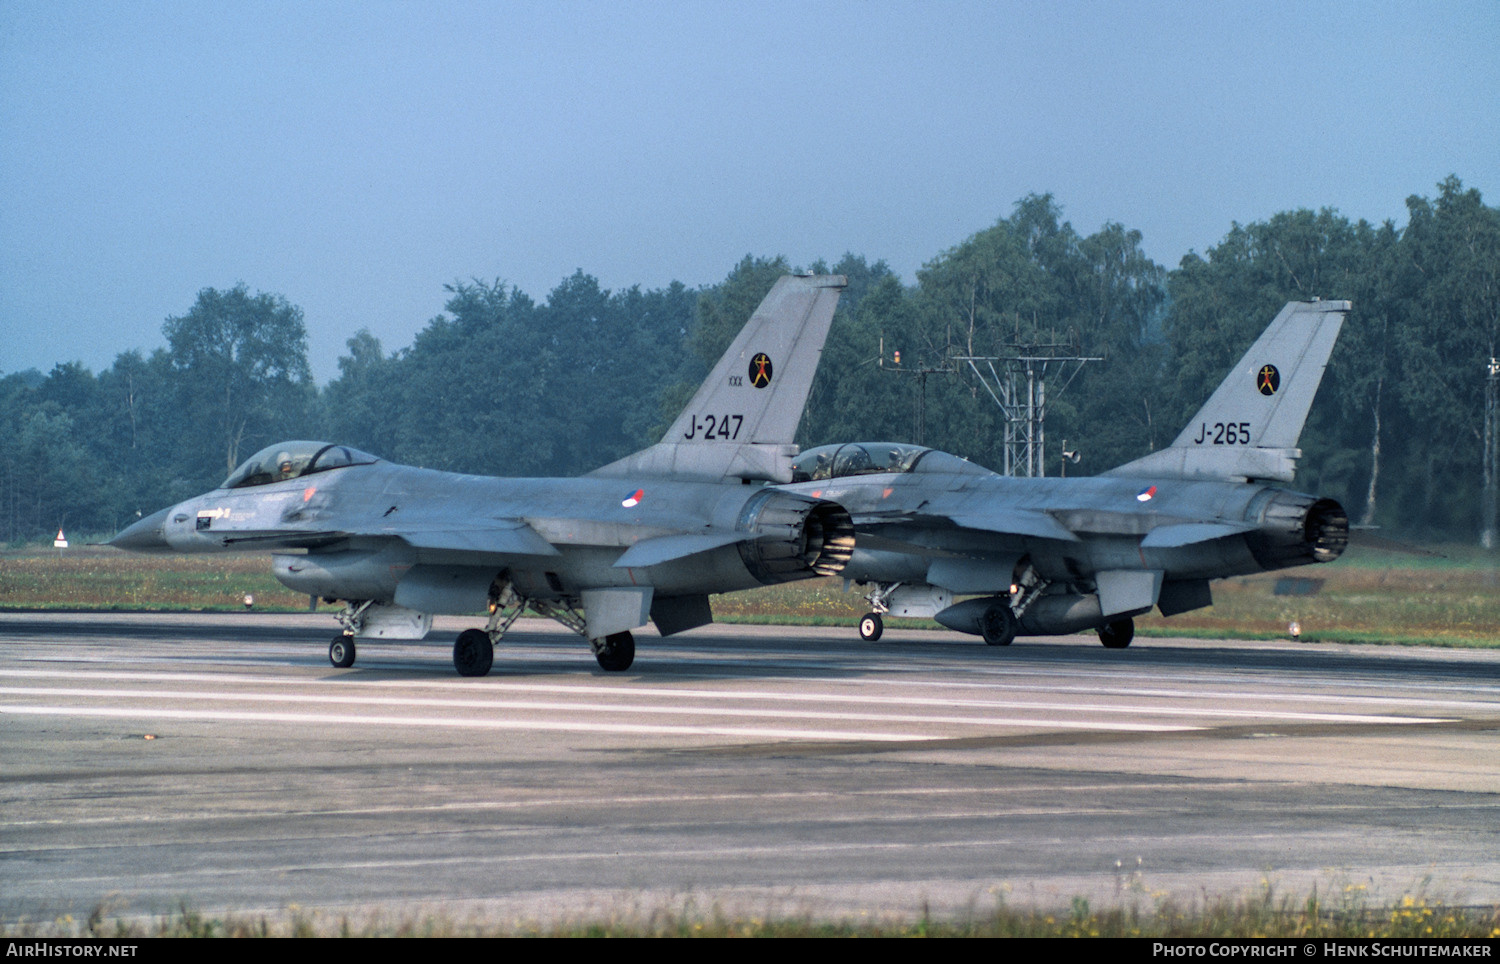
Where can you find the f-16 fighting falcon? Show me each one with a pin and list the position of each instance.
(1054, 556)
(646, 538)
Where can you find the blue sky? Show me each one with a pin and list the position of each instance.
(355, 157)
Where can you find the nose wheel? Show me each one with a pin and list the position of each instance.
(871, 627)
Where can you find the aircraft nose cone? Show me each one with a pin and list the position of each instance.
(147, 535)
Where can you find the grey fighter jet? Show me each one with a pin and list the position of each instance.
(1053, 556)
(648, 537)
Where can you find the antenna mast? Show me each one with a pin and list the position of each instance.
(1018, 384)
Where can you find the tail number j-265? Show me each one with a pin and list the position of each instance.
(712, 427)
(1223, 433)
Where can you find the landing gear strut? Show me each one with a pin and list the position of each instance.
(1117, 634)
(474, 650)
(872, 625)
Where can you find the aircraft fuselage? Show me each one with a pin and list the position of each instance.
(362, 531)
(1109, 518)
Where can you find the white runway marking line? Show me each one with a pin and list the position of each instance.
(613, 728)
(1117, 680)
(629, 685)
(737, 695)
(600, 708)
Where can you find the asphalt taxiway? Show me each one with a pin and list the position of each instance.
(219, 761)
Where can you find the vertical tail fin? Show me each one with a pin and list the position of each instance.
(1249, 428)
(742, 420)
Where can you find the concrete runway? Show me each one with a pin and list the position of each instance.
(148, 760)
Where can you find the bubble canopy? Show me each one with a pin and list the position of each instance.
(291, 460)
(873, 458)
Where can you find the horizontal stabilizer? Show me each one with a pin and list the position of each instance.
(1014, 522)
(1189, 533)
(651, 552)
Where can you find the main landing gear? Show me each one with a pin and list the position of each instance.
(614, 652)
(1117, 634)
(473, 653)
(998, 625)
(870, 627)
(341, 651)
(474, 650)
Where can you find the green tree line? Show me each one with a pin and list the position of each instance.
(1403, 432)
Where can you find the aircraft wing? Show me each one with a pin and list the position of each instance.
(518, 538)
(498, 537)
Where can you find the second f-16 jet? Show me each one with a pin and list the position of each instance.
(1054, 556)
(646, 538)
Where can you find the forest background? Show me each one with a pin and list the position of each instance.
(1404, 430)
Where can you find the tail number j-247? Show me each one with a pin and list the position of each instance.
(1223, 433)
(710, 427)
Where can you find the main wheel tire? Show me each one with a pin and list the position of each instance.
(616, 653)
(341, 651)
(473, 653)
(871, 627)
(998, 625)
(1118, 634)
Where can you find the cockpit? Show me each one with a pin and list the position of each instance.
(874, 458)
(291, 460)
(855, 458)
